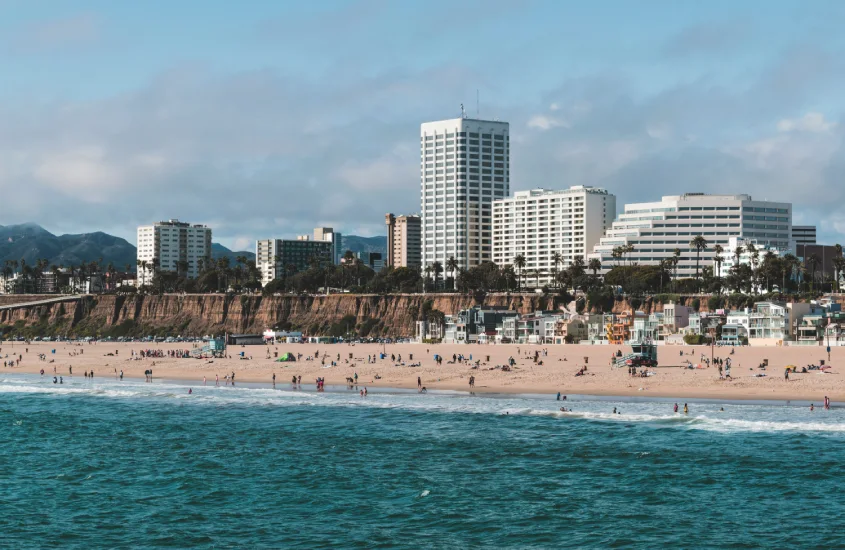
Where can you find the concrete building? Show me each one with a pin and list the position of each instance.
(327, 234)
(404, 244)
(464, 167)
(824, 253)
(541, 223)
(275, 257)
(804, 234)
(656, 229)
(729, 258)
(176, 246)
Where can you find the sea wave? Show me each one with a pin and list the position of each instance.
(739, 418)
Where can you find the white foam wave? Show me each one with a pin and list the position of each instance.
(738, 418)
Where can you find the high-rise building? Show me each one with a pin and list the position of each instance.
(276, 258)
(174, 246)
(403, 241)
(656, 229)
(541, 223)
(464, 166)
(804, 234)
(332, 236)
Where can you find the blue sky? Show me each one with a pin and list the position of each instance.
(269, 118)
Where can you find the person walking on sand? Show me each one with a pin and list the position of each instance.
(274, 379)
(419, 382)
(217, 379)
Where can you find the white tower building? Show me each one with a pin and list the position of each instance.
(464, 167)
(175, 246)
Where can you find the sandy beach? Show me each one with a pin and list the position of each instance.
(557, 373)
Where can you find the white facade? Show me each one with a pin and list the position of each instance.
(746, 258)
(656, 229)
(464, 166)
(172, 242)
(540, 223)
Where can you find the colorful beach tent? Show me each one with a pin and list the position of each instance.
(286, 357)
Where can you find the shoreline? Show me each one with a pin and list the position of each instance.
(554, 371)
(481, 391)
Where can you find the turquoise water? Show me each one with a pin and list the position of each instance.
(130, 464)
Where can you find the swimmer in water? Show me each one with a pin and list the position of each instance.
(686, 409)
(614, 410)
(190, 391)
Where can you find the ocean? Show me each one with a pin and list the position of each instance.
(110, 464)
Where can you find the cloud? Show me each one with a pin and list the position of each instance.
(707, 39)
(57, 34)
(810, 122)
(544, 122)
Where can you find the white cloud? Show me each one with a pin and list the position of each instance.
(543, 122)
(810, 122)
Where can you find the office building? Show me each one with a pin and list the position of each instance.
(656, 229)
(276, 258)
(403, 241)
(174, 246)
(824, 253)
(464, 167)
(541, 223)
(330, 235)
(804, 234)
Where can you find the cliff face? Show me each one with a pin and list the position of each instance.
(195, 315)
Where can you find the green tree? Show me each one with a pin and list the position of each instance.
(699, 243)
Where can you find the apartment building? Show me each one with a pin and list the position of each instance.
(541, 223)
(175, 246)
(404, 245)
(464, 167)
(276, 258)
(656, 229)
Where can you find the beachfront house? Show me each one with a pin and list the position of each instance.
(467, 325)
(571, 330)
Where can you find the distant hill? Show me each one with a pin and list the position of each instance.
(365, 244)
(32, 242)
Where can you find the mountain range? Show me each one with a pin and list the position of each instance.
(31, 242)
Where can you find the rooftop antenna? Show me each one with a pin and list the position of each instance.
(463, 111)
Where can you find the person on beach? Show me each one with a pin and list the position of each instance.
(686, 409)
(558, 396)
(216, 379)
(419, 382)
(274, 379)
(676, 407)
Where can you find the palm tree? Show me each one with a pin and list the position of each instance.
(698, 243)
(594, 265)
(452, 267)
(837, 265)
(718, 251)
(813, 263)
(428, 269)
(519, 263)
(437, 269)
(616, 254)
(557, 259)
(627, 249)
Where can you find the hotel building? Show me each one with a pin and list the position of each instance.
(656, 229)
(175, 245)
(403, 240)
(464, 167)
(541, 223)
(275, 257)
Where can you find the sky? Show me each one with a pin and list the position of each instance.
(269, 118)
